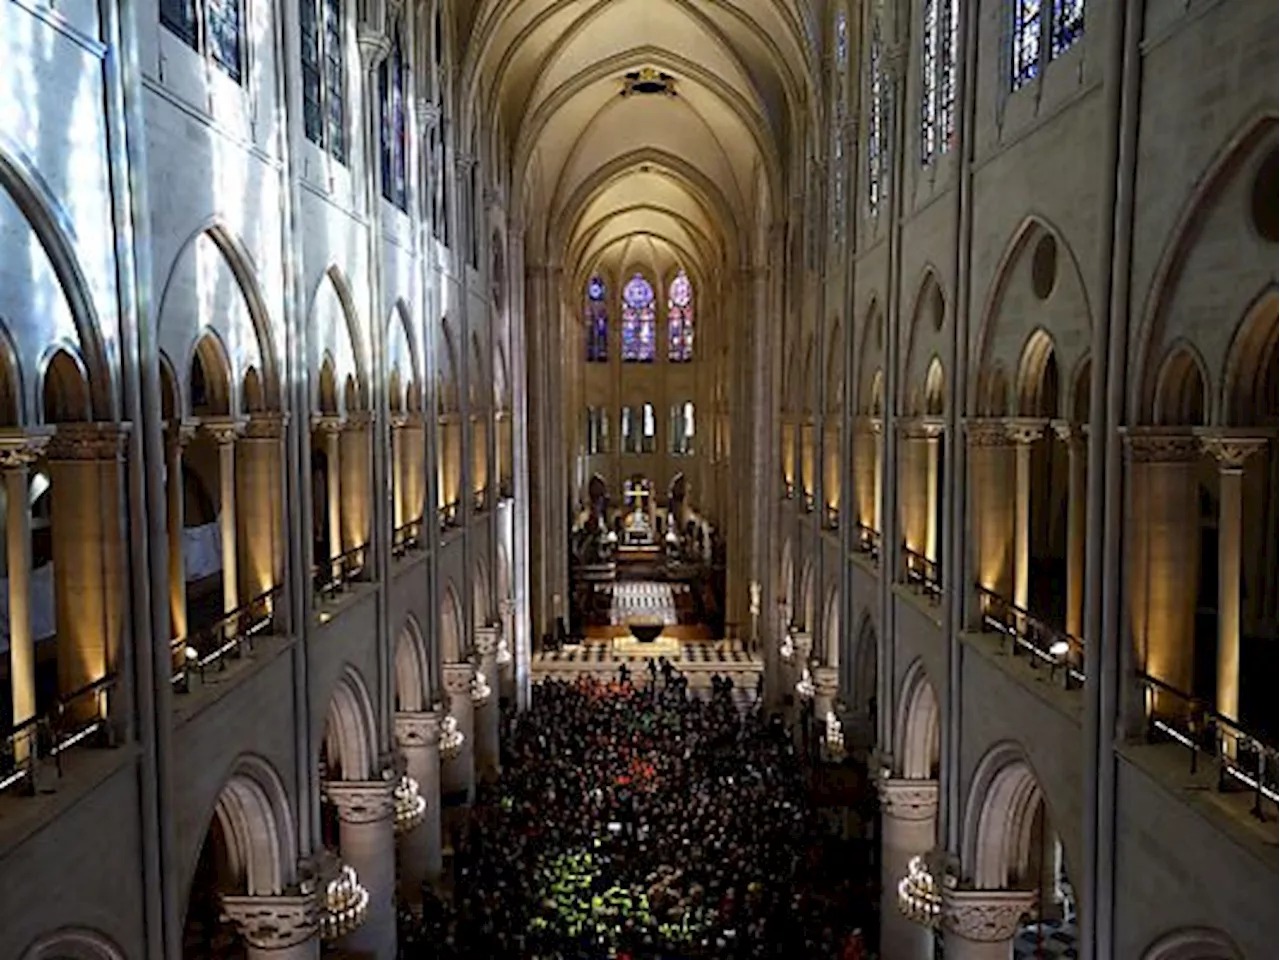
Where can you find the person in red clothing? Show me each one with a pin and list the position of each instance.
(854, 948)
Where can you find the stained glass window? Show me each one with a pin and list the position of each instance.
(391, 85)
(214, 27)
(1068, 25)
(335, 75)
(638, 324)
(842, 41)
(680, 320)
(180, 17)
(1026, 41)
(597, 317)
(649, 431)
(312, 97)
(938, 77)
(837, 128)
(597, 430)
(877, 154)
(681, 435)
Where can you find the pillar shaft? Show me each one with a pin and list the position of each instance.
(224, 434)
(333, 489)
(259, 505)
(458, 774)
(1077, 511)
(1022, 525)
(367, 843)
(175, 442)
(397, 473)
(931, 497)
(16, 457)
(488, 758)
(908, 825)
(421, 849)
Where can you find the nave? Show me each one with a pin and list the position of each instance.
(635, 819)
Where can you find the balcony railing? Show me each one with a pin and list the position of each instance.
(1046, 645)
(810, 502)
(330, 577)
(406, 538)
(922, 574)
(229, 637)
(831, 517)
(1245, 761)
(868, 542)
(77, 719)
(450, 516)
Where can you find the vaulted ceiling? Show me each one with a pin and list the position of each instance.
(605, 178)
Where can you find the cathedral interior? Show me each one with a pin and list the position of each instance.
(442, 388)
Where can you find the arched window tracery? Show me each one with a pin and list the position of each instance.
(680, 319)
(638, 323)
(597, 317)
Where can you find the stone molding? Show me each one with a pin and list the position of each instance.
(274, 923)
(1162, 447)
(266, 426)
(487, 642)
(1232, 452)
(457, 679)
(985, 916)
(1072, 434)
(359, 419)
(222, 430)
(985, 432)
(418, 729)
(362, 801)
(89, 441)
(327, 423)
(905, 799)
(19, 448)
(922, 428)
(1024, 430)
(180, 433)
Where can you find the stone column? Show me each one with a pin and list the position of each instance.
(18, 450)
(908, 824)
(912, 503)
(260, 528)
(487, 714)
(367, 843)
(989, 496)
(330, 429)
(1231, 454)
(276, 927)
(826, 683)
(223, 432)
(1023, 433)
(459, 773)
(877, 429)
(398, 510)
(933, 430)
(357, 465)
(507, 669)
(1072, 435)
(981, 924)
(421, 850)
(176, 440)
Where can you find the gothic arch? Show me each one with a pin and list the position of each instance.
(209, 349)
(452, 645)
(928, 313)
(12, 395)
(862, 668)
(1182, 392)
(831, 628)
(916, 747)
(481, 612)
(349, 728)
(1249, 374)
(65, 391)
(807, 598)
(328, 338)
(412, 668)
(73, 943)
(1193, 943)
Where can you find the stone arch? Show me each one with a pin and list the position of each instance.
(934, 403)
(447, 374)
(928, 313)
(12, 396)
(1193, 943)
(1249, 384)
(1181, 396)
(807, 598)
(412, 668)
(210, 382)
(452, 645)
(481, 612)
(870, 365)
(41, 212)
(1004, 801)
(338, 335)
(863, 668)
(171, 405)
(918, 741)
(349, 729)
(253, 397)
(1038, 383)
(73, 943)
(831, 628)
(327, 386)
(254, 813)
(65, 390)
(1080, 399)
(403, 383)
(1226, 172)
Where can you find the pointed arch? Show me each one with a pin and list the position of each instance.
(1249, 384)
(863, 669)
(1182, 395)
(64, 386)
(254, 812)
(999, 818)
(412, 669)
(935, 389)
(1037, 384)
(12, 396)
(338, 332)
(349, 728)
(453, 648)
(210, 386)
(73, 943)
(917, 744)
(1193, 943)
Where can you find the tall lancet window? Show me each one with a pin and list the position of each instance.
(395, 144)
(680, 320)
(638, 323)
(1068, 25)
(1027, 26)
(213, 27)
(597, 317)
(938, 77)
(324, 75)
(837, 126)
(877, 121)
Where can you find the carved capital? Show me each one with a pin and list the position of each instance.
(507, 607)
(89, 441)
(399, 420)
(923, 428)
(457, 679)
(428, 115)
(266, 426)
(1232, 452)
(327, 423)
(222, 430)
(418, 729)
(986, 433)
(274, 923)
(985, 916)
(1024, 430)
(19, 448)
(827, 682)
(487, 642)
(359, 419)
(1156, 446)
(374, 45)
(903, 799)
(179, 433)
(362, 801)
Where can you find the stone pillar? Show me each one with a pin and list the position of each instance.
(398, 491)
(276, 927)
(912, 505)
(826, 683)
(487, 714)
(18, 450)
(981, 924)
(990, 516)
(908, 824)
(421, 849)
(507, 669)
(932, 436)
(367, 843)
(1023, 433)
(176, 440)
(1231, 454)
(877, 429)
(260, 528)
(357, 463)
(223, 432)
(1072, 435)
(459, 773)
(330, 429)
(1163, 557)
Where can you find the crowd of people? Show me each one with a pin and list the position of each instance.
(635, 821)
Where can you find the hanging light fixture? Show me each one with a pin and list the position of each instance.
(804, 686)
(503, 656)
(450, 737)
(919, 898)
(834, 735)
(346, 904)
(480, 690)
(411, 806)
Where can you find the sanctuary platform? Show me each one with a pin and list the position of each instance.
(699, 660)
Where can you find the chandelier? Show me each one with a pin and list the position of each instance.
(411, 806)
(804, 686)
(503, 656)
(834, 735)
(479, 689)
(346, 904)
(918, 896)
(788, 648)
(450, 737)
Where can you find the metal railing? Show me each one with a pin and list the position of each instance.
(868, 542)
(79, 718)
(922, 573)
(1245, 761)
(810, 502)
(228, 637)
(450, 516)
(330, 577)
(831, 518)
(1047, 645)
(406, 538)
(480, 500)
